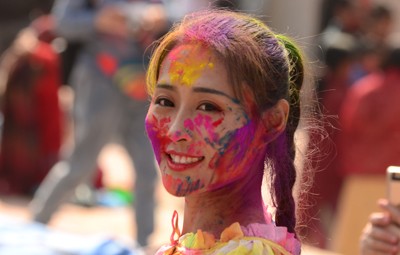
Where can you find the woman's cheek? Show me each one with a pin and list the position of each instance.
(200, 127)
(197, 148)
(235, 149)
(220, 145)
(156, 131)
(210, 128)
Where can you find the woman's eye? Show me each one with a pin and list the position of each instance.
(164, 102)
(208, 107)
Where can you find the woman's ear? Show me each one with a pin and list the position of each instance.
(275, 118)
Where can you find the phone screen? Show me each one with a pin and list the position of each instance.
(393, 174)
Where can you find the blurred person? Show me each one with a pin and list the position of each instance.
(17, 15)
(378, 27)
(345, 25)
(369, 140)
(346, 21)
(110, 99)
(369, 143)
(32, 129)
(374, 42)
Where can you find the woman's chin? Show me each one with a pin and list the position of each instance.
(176, 187)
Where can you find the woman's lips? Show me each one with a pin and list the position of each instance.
(180, 162)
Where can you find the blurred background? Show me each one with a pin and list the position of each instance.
(42, 116)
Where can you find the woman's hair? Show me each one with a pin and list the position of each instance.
(271, 66)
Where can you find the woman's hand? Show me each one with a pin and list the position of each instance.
(381, 235)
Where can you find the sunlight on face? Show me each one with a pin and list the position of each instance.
(201, 134)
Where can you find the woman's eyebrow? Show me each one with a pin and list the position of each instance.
(199, 90)
(165, 86)
(213, 91)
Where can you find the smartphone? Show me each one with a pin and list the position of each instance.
(393, 184)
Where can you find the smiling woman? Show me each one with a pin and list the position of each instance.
(224, 109)
(203, 118)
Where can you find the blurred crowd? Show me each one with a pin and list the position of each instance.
(99, 49)
(356, 88)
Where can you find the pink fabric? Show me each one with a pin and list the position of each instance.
(268, 231)
(276, 234)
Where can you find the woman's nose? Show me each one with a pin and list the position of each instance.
(179, 129)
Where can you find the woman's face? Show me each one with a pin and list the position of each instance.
(202, 136)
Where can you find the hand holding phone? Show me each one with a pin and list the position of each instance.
(393, 185)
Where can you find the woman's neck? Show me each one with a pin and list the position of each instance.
(213, 211)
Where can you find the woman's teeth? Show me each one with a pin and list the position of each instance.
(184, 159)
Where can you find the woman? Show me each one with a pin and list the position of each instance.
(224, 108)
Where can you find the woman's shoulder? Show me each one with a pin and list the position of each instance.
(262, 239)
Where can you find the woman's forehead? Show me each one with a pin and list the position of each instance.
(190, 53)
(188, 64)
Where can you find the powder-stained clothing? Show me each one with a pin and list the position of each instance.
(255, 239)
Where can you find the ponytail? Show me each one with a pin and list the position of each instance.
(296, 78)
(282, 151)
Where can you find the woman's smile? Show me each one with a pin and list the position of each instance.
(181, 162)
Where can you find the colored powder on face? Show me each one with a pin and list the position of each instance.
(198, 120)
(181, 187)
(187, 64)
(189, 128)
(217, 122)
(240, 151)
(196, 148)
(188, 124)
(205, 127)
(220, 144)
(175, 136)
(233, 146)
(156, 131)
(246, 144)
(210, 128)
(188, 186)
